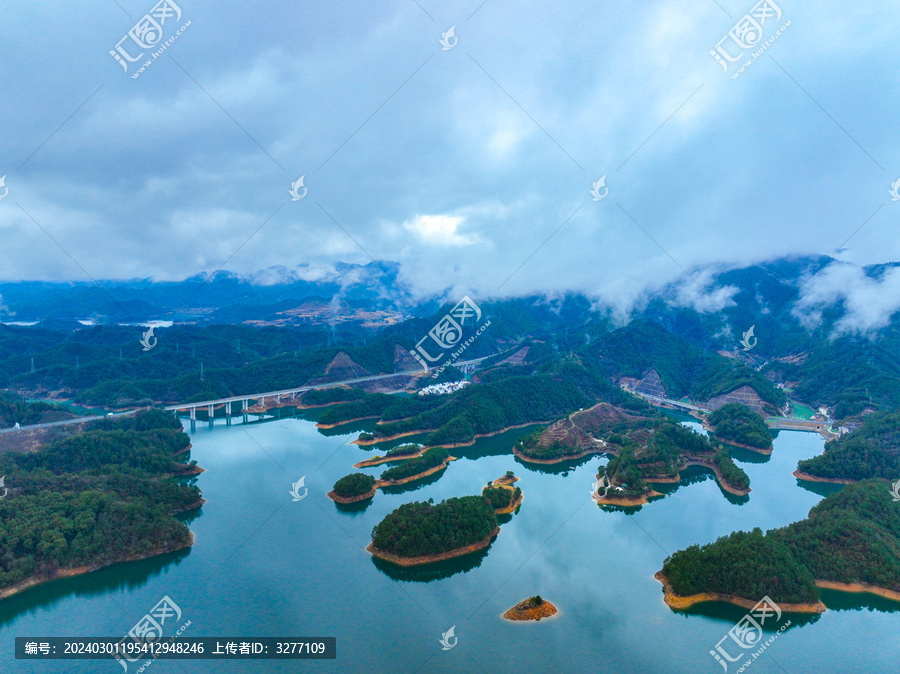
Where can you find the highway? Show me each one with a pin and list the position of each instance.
(251, 396)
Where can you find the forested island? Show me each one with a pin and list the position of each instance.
(872, 450)
(352, 488)
(644, 449)
(94, 498)
(850, 541)
(429, 462)
(657, 450)
(423, 532)
(503, 497)
(739, 425)
(399, 453)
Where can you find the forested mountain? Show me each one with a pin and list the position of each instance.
(872, 450)
(94, 498)
(852, 536)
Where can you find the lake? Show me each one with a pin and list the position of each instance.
(266, 565)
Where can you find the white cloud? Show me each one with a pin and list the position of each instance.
(440, 230)
(868, 302)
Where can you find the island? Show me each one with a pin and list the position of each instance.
(430, 462)
(422, 532)
(738, 425)
(352, 488)
(575, 436)
(502, 495)
(398, 453)
(848, 542)
(533, 608)
(100, 496)
(872, 450)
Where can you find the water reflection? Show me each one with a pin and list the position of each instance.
(431, 572)
(123, 576)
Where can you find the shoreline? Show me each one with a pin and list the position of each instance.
(183, 451)
(712, 431)
(626, 502)
(859, 588)
(548, 462)
(535, 613)
(513, 505)
(404, 480)
(347, 421)
(719, 478)
(678, 602)
(814, 478)
(375, 441)
(758, 450)
(430, 559)
(59, 574)
(447, 445)
(477, 436)
(387, 459)
(351, 499)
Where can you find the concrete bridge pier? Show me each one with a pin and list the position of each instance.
(193, 415)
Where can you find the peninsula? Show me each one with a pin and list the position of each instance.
(848, 542)
(116, 481)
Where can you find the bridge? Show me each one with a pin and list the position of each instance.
(283, 398)
(668, 401)
(288, 397)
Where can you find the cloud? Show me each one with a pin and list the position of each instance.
(470, 167)
(868, 303)
(440, 230)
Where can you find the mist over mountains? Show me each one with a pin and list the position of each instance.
(818, 295)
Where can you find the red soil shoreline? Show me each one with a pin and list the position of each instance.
(32, 581)
(678, 602)
(813, 478)
(350, 499)
(430, 559)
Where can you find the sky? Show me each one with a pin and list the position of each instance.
(471, 161)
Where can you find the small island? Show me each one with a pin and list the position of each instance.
(533, 608)
(430, 462)
(502, 495)
(849, 542)
(407, 451)
(738, 425)
(423, 532)
(352, 488)
(872, 450)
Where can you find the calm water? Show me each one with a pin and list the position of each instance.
(264, 565)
